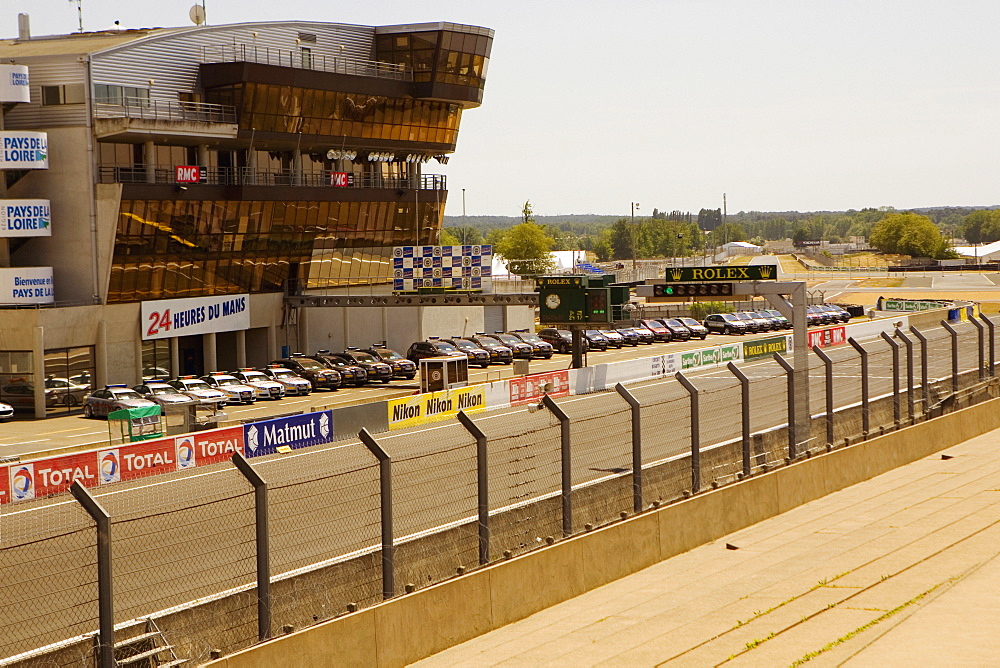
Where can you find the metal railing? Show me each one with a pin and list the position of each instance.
(167, 110)
(283, 541)
(306, 60)
(245, 176)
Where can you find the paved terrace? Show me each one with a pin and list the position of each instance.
(900, 570)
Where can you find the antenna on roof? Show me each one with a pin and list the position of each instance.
(79, 12)
(197, 14)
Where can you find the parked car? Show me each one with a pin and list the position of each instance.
(764, 324)
(432, 347)
(614, 338)
(320, 375)
(657, 328)
(112, 398)
(235, 390)
(725, 323)
(163, 394)
(475, 354)
(499, 353)
(267, 388)
(678, 332)
(198, 390)
(64, 392)
(752, 323)
(780, 321)
(560, 339)
(630, 337)
(697, 329)
(815, 317)
(350, 374)
(539, 348)
(6, 412)
(646, 335)
(521, 350)
(401, 367)
(837, 313)
(291, 381)
(376, 369)
(596, 339)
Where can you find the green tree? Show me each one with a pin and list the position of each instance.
(728, 232)
(981, 227)
(448, 238)
(909, 234)
(467, 235)
(525, 247)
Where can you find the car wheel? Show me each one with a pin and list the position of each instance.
(88, 412)
(704, 336)
(69, 401)
(564, 347)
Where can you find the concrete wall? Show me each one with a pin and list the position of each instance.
(414, 626)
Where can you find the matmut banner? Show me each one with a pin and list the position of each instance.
(528, 389)
(296, 431)
(432, 406)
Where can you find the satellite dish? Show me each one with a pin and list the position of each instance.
(197, 15)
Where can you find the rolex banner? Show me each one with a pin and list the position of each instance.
(758, 272)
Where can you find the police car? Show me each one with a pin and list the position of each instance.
(6, 412)
(198, 389)
(291, 381)
(113, 398)
(266, 388)
(234, 390)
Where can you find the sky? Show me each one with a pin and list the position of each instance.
(783, 105)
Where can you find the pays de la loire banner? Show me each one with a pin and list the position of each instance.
(26, 285)
(196, 315)
(14, 83)
(430, 406)
(25, 218)
(21, 149)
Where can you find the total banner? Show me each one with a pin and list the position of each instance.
(4, 485)
(51, 476)
(25, 218)
(296, 431)
(137, 460)
(824, 338)
(430, 406)
(196, 315)
(528, 389)
(208, 447)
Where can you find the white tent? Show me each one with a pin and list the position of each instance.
(984, 252)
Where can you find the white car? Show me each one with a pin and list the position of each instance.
(198, 389)
(235, 390)
(265, 387)
(6, 412)
(291, 381)
(163, 394)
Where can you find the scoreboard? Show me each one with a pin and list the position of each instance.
(456, 267)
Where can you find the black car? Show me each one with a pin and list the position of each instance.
(697, 329)
(678, 332)
(596, 340)
(375, 368)
(615, 339)
(540, 348)
(350, 373)
(630, 337)
(320, 375)
(432, 347)
(725, 323)
(521, 350)
(499, 353)
(401, 367)
(475, 354)
(837, 313)
(560, 339)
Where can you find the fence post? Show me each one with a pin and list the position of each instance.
(385, 503)
(745, 414)
(954, 355)
(482, 486)
(865, 423)
(828, 363)
(695, 433)
(636, 446)
(924, 389)
(896, 411)
(993, 353)
(909, 373)
(262, 545)
(980, 336)
(565, 464)
(790, 372)
(105, 602)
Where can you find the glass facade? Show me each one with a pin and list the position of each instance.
(69, 373)
(287, 109)
(460, 58)
(16, 386)
(165, 249)
(156, 359)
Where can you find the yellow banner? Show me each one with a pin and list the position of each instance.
(432, 406)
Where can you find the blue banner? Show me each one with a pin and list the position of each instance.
(297, 431)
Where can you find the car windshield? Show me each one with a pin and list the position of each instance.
(309, 364)
(161, 390)
(674, 323)
(594, 332)
(445, 347)
(336, 361)
(651, 325)
(283, 373)
(226, 380)
(389, 354)
(509, 339)
(730, 317)
(254, 375)
(364, 357)
(126, 394)
(530, 338)
(689, 321)
(564, 333)
(487, 343)
(464, 345)
(195, 385)
(744, 316)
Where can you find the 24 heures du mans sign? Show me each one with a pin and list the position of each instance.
(759, 272)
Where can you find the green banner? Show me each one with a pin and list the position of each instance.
(691, 360)
(730, 353)
(758, 272)
(764, 347)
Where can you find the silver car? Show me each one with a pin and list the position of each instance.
(291, 381)
(234, 390)
(266, 388)
(163, 394)
(198, 390)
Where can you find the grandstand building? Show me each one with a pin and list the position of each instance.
(229, 166)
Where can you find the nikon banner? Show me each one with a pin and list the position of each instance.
(431, 406)
(753, 350)
(757, 272)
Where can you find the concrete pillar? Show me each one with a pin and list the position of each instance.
(241, 349)
(101, 356)
(272, 342)
(208, 352)
(149, 160)
(345, 316)
(38, 369)
(175, 357)
(202, 155)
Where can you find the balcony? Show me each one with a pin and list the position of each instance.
(143, 119)
(241, 176)
(249, 53)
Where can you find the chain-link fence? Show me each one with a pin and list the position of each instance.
(225, 555)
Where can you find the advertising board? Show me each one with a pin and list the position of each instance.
(195, 315)
(26, 285)
(753, 350)
(208, 447)
(528, 389)
(824, 338)
(430, 406)
(137, 460)
(14, 84)
(4, 486)
(20, 149)
(296, 431)
(187, 174)
(25, 218)
(53, 475)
